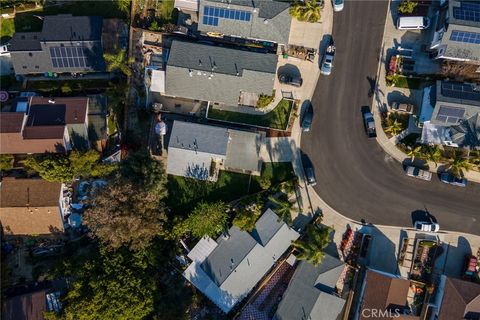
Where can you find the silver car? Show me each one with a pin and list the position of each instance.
(427, 226)
(418, 173)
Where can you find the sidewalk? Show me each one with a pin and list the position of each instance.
(382, 92)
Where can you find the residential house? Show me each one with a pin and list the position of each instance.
(40, 125)
(456, 299)
(217, 74)
(456, 32)
(30, 302)
(31, 207)
(199, 151)
(455, 118)
(66, 44)
(264, 20)
(385, 296)
(227, 269)
(310, 290)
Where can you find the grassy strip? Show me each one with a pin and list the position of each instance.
(275, 119)
(411, 83)
(185, 193)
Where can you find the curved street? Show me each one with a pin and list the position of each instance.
(354, 175)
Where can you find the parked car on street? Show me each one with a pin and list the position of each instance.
(402, 107)
(427, 226)
(418, 173)
(338, 5)
(469, 267)
(310, 175)
(449, 178)
(295, 81)
(327, 62)
(307, 118)
(369, 123)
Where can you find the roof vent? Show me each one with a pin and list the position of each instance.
(51, 100)
(265, 21)
(199, 62)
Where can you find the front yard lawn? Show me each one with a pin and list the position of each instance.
(185, 193)
(275, 119)
(411, 83)
(7, 29)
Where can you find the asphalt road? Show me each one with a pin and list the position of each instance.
(354, 175)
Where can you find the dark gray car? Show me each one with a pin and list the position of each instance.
(307, 118)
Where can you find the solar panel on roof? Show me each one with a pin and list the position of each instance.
(466, 37)
(223, 13)
(68, 57)
(463, 91)
(468, 10)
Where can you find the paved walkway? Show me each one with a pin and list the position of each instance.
(411, 39)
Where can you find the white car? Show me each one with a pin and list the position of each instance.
(418, 173)
(338, 5)
(427, 226)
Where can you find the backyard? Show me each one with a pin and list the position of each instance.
(66, 87)
(276, 119)
(184, 193)
(29, 21)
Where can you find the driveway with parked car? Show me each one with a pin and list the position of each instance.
(354, 175)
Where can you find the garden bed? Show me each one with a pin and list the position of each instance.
(276, 119)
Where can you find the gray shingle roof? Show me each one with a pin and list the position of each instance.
(467, 133)
(195, 56)
(198, 137)
(266, 227)
(31, 51)
(270, 19)
(310, 290)
(189, 72)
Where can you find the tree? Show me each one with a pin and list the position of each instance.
(65, 168)
(245, 219)
(124, 5)
(407, 6)
(145, 172)
(308, 11)
(415, 152)
(434, 154)
(51, 167)
(6, 162)
(283, 208)
(118, 61)
(311, 249)
(112, 285)
(458, 164)
(124, 214)
(394, 128)
(207, 219)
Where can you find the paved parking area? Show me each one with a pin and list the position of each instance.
(306, 34)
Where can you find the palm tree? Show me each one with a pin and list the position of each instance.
(311, 248)
(394, 128)
(458, 164)
(415, 152)
(283, 208)
(308, 11)
(118, 61)
(434, 154)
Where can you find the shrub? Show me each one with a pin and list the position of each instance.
(265, 183)
(264, 100)
(407, 6)
(245, 219)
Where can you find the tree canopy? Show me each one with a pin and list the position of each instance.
(6, 162)
(66, 167)
(207, 219)
(308, 11)
(311, 248)
(112, 285)
(130, 210)
(118, 61)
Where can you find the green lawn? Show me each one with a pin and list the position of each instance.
(185, 193)
(7, 29)
(275, 119)
(25, 21)
(77, 85)
(411, 83)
